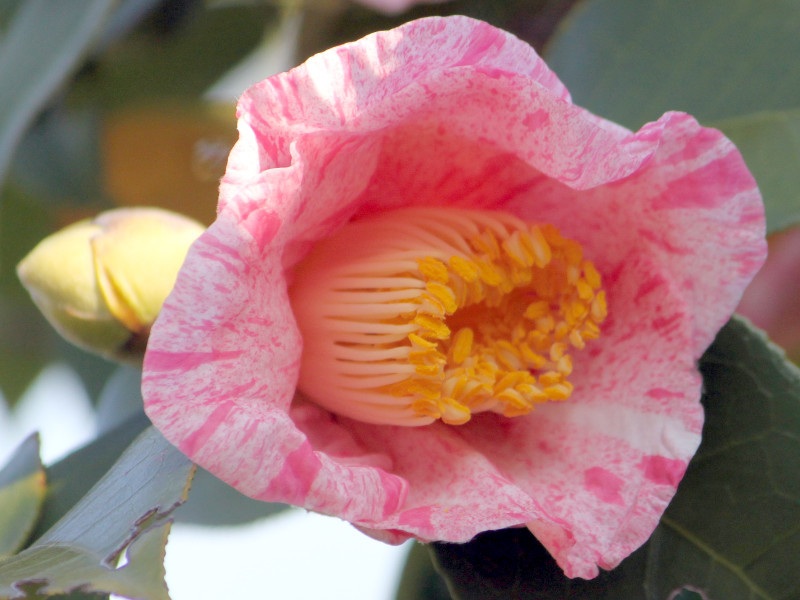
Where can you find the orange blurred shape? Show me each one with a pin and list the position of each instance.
(169, 156)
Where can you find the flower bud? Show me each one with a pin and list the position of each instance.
(101, 282)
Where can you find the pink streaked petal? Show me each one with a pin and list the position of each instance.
(693, 206)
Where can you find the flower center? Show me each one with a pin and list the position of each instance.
(438, 313)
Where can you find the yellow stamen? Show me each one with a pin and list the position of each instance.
(435, 313)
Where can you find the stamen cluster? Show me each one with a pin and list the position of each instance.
(436, 313)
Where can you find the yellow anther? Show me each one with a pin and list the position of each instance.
(486, 244)
(546, 324)
(531, 358)
(599, 307)
(537, 310)
(433, 269)
(428, 370)
(443, 294)
(467, 270)
(517, 250)
(421, 342)
(590, 331)
(557, 351)
(585, 291)
(576, 339)
(431, 327)
(577, 312)
(591, 275)
(509, 380)
(427, 388)
(552, 235)
(488, 274)
(538, 246)
(462, 345)
(573, 274)
(514, 400)
(561, 331)
(564, 365)
(558, 392)
(429, 305)
(550, 377)
(427, 357)
(453, 412)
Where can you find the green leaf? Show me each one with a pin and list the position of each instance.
(630, 61)
(41, 47)
(214, 502)
(770, 144)
(125, 513)
(419, 579)
(182, 62)
(26, 340)
(22, 488)
(120, 399)
(733, 529)
(72, 477)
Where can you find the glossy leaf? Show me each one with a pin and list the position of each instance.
(41, 47)
(180, 62)
(26, 340)
(631, 61)
(770, 143)
(22, 488)
(72, 477)
(214, 502)
(126, 512)
(419, 579)
(120, 399)
(732, 531)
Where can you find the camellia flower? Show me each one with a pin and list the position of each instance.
(440, 299)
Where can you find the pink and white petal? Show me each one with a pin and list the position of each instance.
(220, 376)
(693, 206)
(332, 91)
(604, 464)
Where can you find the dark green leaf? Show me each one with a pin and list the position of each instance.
(770, 144)
(41, 47)
(26, 339)
(181, 62)
(22, 487)
(126, 512)
(58, 160)
(420, 580)
(630, 61)
(120, 398)
(71, 478)
(733, 529)
(214, 502)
